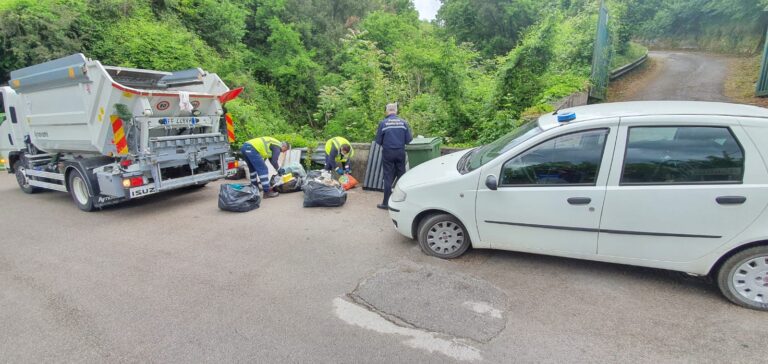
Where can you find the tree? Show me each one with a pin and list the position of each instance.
(33, 31)
(140, 43)
(493, 26)
(221, 23)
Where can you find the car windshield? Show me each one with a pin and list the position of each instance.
(480, 156)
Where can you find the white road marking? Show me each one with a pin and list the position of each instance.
(483, 309)
(356, 315)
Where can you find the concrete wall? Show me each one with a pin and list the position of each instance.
(360, 160)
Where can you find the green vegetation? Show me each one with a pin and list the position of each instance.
(728, 26)
(633, 53)
(741, 80)
(315, 69)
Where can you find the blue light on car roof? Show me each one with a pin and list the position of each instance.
(562, 118)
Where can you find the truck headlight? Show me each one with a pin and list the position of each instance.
(397, 195)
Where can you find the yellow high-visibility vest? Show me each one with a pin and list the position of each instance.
(338, 142)
(264, 145)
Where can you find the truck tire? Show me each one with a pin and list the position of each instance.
(19, 168)
(78, 189)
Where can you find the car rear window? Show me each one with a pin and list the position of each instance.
(682, 155)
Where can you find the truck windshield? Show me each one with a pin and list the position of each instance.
(480, 156)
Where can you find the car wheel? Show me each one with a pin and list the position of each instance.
(443, 236)
(743, 278)
(78, 189)
(22, 180)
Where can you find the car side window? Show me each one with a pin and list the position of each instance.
(682, 155)
(571, 159)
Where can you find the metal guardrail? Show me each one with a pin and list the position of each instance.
(621, 71)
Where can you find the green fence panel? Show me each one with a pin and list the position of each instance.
(601, 58)
(762, 82)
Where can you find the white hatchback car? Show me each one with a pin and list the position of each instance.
(673, 185)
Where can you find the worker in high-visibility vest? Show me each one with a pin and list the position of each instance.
(338, 155)
(258, 150)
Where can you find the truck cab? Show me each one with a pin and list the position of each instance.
(10, 128)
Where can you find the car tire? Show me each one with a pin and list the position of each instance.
(743, 278)
(22, 180)
(78, 189)
(443, 236)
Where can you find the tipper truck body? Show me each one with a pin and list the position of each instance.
(110, 134)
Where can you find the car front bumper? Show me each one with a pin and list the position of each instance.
(402, 215)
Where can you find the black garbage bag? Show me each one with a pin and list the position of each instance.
(314, 174)
(293, 185)
(238, 198)
(317, 194)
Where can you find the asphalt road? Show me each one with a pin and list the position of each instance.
(172, 279)
(684, 76)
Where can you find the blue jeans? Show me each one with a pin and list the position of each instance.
(256, 166)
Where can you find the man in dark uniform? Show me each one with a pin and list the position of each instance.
(393, 134)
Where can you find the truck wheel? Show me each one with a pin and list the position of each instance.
(443, 236)
(22, 179)
(743, 278)
(78, 189)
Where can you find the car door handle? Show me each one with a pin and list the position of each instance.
(579, 200)
(731, 200)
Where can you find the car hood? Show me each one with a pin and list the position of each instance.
(432, 171)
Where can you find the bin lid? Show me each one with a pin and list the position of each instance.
(421, 142)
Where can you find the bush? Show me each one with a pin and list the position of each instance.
(165, 46)
(295, 140)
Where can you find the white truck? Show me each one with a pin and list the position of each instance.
(110, 134)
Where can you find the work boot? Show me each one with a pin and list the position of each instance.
(382, 206)
(270, 194)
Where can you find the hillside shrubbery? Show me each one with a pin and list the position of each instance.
(317, 69)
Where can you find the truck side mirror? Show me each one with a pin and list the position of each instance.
(491, 182)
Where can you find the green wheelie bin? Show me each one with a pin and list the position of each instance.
(422, 149)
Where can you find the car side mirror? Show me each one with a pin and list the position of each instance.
(491, 182)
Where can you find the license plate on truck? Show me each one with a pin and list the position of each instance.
(185, 120)
(142, 191)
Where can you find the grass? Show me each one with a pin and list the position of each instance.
(625, 87)
(634, 52)
(741, 80)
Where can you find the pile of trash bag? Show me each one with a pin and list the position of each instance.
(239, 198)
(295, 169)
(286, 183)
(321, 190)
